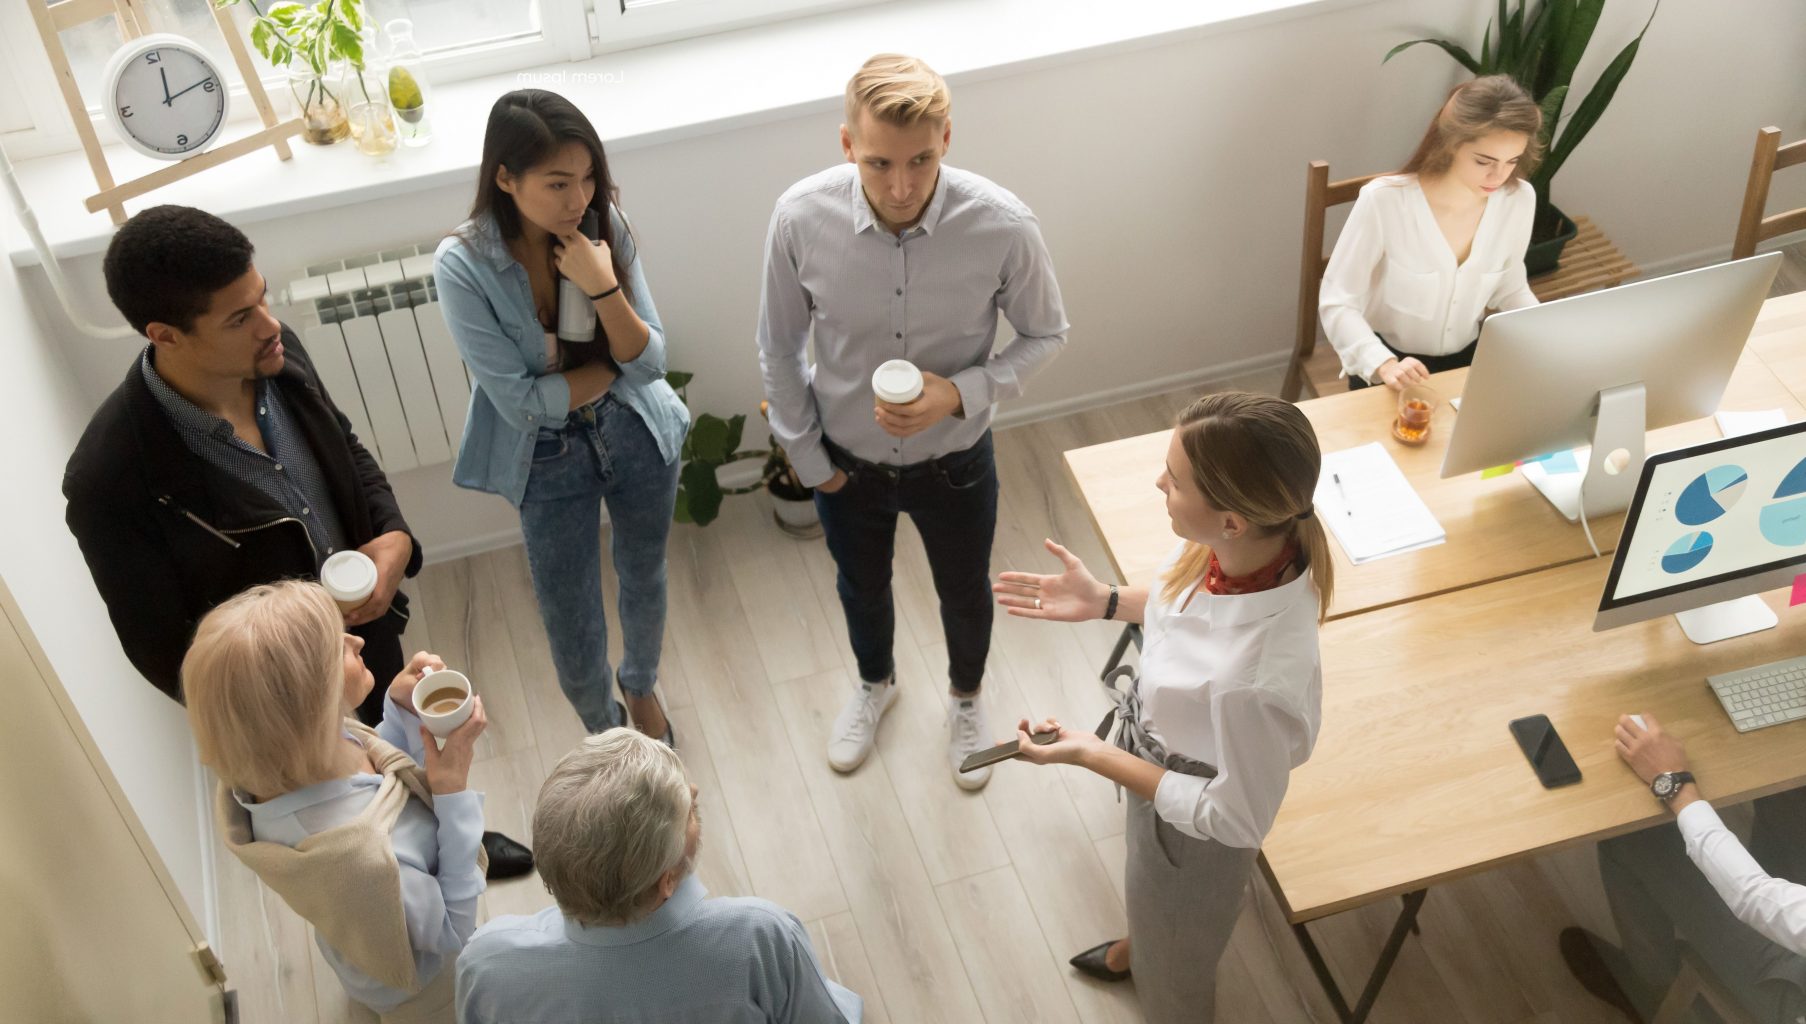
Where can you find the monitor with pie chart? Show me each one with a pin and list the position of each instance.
(1710, 527)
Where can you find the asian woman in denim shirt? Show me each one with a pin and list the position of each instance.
(561, 428)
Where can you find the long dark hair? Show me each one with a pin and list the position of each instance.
(526, 128)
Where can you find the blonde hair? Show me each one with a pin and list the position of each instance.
(898, 90)
(1474, 110)
(1256, 456)
(612, 818)
(264, 682)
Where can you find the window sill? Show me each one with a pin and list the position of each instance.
(646, 97)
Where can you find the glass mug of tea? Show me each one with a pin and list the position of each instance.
(442, 699)
(1416, 405)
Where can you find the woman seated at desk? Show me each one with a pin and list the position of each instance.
(1230, 694)
(1428, 250)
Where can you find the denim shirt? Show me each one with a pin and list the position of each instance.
(488, 304)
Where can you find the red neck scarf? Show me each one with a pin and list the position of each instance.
(1264, 578)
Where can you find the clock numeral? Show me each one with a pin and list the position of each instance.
(207, 86)
(153, 57)
(181, 140)
(125, 111)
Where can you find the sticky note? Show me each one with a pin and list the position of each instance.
(1799, 591)
(1561, 462)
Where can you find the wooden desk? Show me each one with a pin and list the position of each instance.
(1416, 779)
(1496, 528)
(1779, 338)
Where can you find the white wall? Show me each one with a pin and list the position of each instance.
(142, 733)
(1168, 181)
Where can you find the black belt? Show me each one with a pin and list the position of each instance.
(850, 463)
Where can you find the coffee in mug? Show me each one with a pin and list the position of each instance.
(897, 382)
(443, 701)
(350, 577)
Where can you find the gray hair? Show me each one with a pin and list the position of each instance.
(612, 818)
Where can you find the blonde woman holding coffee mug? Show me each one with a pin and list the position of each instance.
(371, 835)
(1428, 250)
(1230, 693)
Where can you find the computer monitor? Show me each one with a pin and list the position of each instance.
(1603, 369)
(1709, 527)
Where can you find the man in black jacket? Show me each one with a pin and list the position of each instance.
(220, 463)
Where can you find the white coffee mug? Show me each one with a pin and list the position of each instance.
(433, 683)
(350, 577)
(897, 382)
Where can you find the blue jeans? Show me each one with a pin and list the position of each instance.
(953, 502)
(603, 454)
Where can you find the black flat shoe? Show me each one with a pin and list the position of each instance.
(1093, 962)
(507, 858)
(1585, 955)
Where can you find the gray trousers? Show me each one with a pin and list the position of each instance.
(1184, 895)
(1657, 894)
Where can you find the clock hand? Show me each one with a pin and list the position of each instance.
(165, 73)
(196, 85)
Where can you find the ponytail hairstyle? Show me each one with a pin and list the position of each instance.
(1474, 110)
(1256, 456)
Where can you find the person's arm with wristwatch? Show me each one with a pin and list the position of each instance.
(1772, 906)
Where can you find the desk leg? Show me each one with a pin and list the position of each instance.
(1406, 923)
(1131, 634)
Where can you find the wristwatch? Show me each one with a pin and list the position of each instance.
(1665, 785)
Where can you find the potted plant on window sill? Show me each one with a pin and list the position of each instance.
(1540, 50)
(311, 44)
(714, 442)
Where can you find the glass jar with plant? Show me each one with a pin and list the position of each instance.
(367, 93)
(408, 90)
(311, 43)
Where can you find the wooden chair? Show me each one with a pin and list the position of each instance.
(1320, 194)
(1752, 227)
(1695, 981)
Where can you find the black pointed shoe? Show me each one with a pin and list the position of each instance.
(1094, 962)
(1587, 958)
(507, 858)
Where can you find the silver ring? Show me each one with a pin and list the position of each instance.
(1037, 604)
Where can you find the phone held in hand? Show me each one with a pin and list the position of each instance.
(1002, 752)
(1548, 755)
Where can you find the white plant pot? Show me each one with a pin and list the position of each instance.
(797, 518)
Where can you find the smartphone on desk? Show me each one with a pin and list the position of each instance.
(1548, 755)
(1002, 752)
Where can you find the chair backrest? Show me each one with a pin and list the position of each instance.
(1752, 227)
(1320, 194)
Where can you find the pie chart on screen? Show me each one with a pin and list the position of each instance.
(1710, 494)
(1687, 552)
(1783, 522)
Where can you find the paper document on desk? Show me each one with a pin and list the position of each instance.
(1365, 500)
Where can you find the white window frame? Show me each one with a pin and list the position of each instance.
(563, 36)
(662, 21)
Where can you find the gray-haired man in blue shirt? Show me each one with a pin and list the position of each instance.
(895, 255)
(633, 936)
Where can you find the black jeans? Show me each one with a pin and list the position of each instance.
(953, 502)
(1435, 364)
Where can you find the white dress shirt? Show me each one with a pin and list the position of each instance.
(1392, 273)
(1234, 681)
(930, 295)
(1774, 907)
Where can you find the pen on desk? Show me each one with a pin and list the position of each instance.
(1346, 510)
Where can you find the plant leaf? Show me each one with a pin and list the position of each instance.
(1593, 106)
(708, 439)
(1486, 50)
(261, 38)
(284, 14)
(680, 512)
(1551, 105)
(1508, 37)
(678, 379)
(1575, 39)
(703, 492)
(1461, 56)
(346, 44)
(736, 427)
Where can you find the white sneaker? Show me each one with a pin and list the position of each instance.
(856, 727)
(969, 733)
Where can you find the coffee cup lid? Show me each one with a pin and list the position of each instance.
(897, 377)
(348, 572)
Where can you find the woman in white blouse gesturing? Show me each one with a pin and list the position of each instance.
(1230, 693)
(1428, 250)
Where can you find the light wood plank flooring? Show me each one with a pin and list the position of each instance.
(934, 904)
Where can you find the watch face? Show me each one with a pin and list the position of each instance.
(169, 100)
(1664, 785)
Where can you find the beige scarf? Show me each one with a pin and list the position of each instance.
(345, 880)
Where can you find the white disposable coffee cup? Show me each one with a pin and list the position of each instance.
(350, 577)
(434, 682)
(897, 382)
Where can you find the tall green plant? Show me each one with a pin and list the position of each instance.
(1540, 50)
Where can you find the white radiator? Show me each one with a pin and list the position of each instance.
(374, 330)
